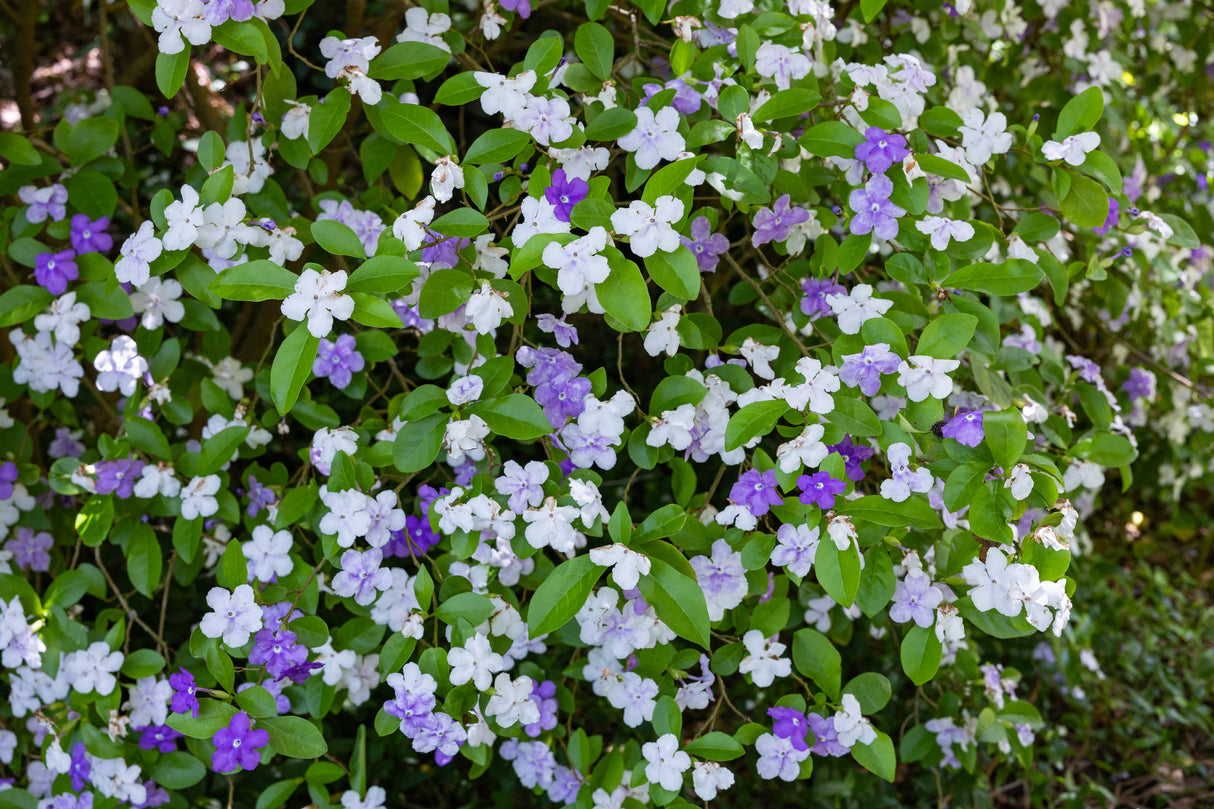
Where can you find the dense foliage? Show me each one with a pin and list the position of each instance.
(626, 403)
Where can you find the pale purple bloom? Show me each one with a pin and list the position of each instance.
(814, 303)
(874, 211)
(915, 598)
(338, 361)
(259, 497)
(442, 251)
(158, 737)
(565, 192)
(704, 244)
(966, 428)
(277, 650)
(687, 99)
(1139, 385)
(865, 369)
(790, 724)
(853, 456)
(543, 694)
(44, 202)
(827, 739)
(8, 476)
(118, 476)
(81, 766)
(91, 236)
(361, 576)
(880, 149)
(217, 12)
(1111, 220)
(31, 550)
(237, 745)
(820, 489)
(521, 7)
(565, 333)
(758, 491)
(775, 223)
(54, 270)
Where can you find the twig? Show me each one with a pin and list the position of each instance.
(127, 607)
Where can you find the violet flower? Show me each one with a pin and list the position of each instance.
(874, 212)
(338, 361)
(966, 428)
(704, 244)
(54, 270)
(237, 744)
(790, 724)
(757, 491)
(820, 489)
(90, 237)
(776, 223)
(880, 150)
(865, 369)
(565, 192)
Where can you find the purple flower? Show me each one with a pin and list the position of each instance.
(704, 244)
(565, 333)
(217, 12)
(31, 551)
(1139, 385)
(236, 745)
(299, 674)
(814, 303)
(543, 694)
(915, 599)
(184, 688)
(361, 576)
(118, 477)
(853, 456)
(80, 768)
(687, 99)
(827, 740)
(563, 399)
(790, 724)
(966, 428)
(874, 211)
(90, 237)
(277, 650)
(758, 491)
(880, 150)
(338, 361)
(865, 369)
(54, 270)
(1110, 221)
(8, 476)
(259, 497)
(442, 252)
(774, 224)
(158, 737)
(820, 489)
(565, 192)
(521, 7)
(156, 796)
(44, 202)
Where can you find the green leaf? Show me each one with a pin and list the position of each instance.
(337, 238)
(514, 416)
(1009, 278)
(831, 139)
(328, 118)
(852, 251)
(870, 9)
(595, 47)
(277, 793)
(462, 223)
(20, 303)
(384, 275)
(112, 305)
(91, 138)
(459, 90)
(94, 519)
(373, 311)
(947, 335)
(219, 449)
(987, 516)
(261, 280)
(257, 702)
(292, 367)
(92, 193)
(171, 70)
(838, 571)
(624, 295)
(415, 124)
(16, 149)
(854, 417)
(1037, 227)
(787, 104)
(940, 121)
(495, 146)
(294, 736)
(678, 600)
(715, 746)
(817, 658)
(144, 559)
(871, 690)
(409, 60)
(612, 124)
(544, 54)
(1086, 205)
(563, 592)
(878, 757)
(673, 391)
(1080, 114)
(177, 770)
(665, 522)
(1005, 436)
(756, 418)
(676, 272)
(1107, 449)
(471, 607)
(418, 442)
(921, 652)
(212, 715)
(947, 169)
(883, 114)
(995, 624)
(914, 512)
(1183, 234)
(444, 291)
(243, 38)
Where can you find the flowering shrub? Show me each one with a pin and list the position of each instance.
(625, 401)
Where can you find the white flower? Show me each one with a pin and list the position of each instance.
(655, 137)
(815, 392)
(506, 96)
(759, 356)
(923, 376)
(474, 662)
(806, 449)
(223, 228)
(231, 376)
(318, 297)
(511, 702)
(465, 438)
(342, 53)
(486, 309)
(580, 263)
(268, 553)
(856, 307)
(427, 28)
(1074, 150)
(120, 367)
(851, 726)
(347, 518)
(295, 120)
(410, 227)
(982, 139)
(650, 227)
(234, 615)
(551, 525)
(841, 531)
(157, 300)
(157, 479)
(64, 318)
(627, 566)
(362, 85)
(1020, 481)
(198, 497)
(179, 21)
(137, 252)
(93, 669)
(708, 777)
(763, 661)
(942, 229)
(667, 762)
(663, 335)
(781, 63)
(904, 481)
(446, 177)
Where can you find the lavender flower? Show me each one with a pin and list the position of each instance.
(814, 304)
(790, 724)
(54, 270)
(338, 361)
(521, 7)
(915, 598)
(880, 150)
(1139, 385)
(565, 333)
(118, 477)
(158, 737)
(8, 476)
(44, 203)
(565, 192)
(277, 650)
(80, 768)
(874, 211)
(91, 236)
(966, 428)
(184, 688)
(757, 491)
(827, 739)
(853, 456)
(704, 244)
(31, 551)
(237, 744)
(1111, 220)
(820, 489)
(543, 694)
(259, 497)
(865, 369)
(776, 223)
